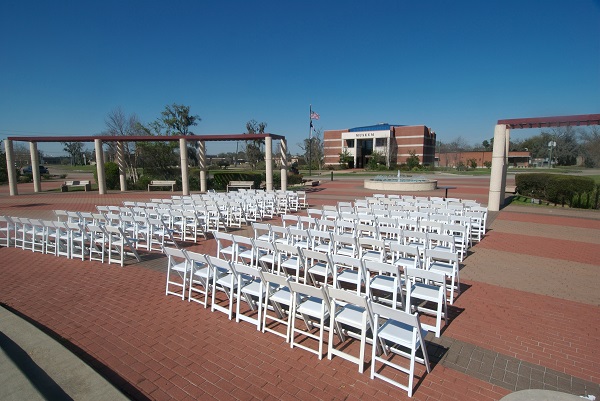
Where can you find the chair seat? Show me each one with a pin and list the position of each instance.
(425, 292)
(350, 315)
(348, 276)
(398, 333)
(282, 296)
(319, 268)
(440, 267)
(312, 307)
(383, 283)
(253, 287)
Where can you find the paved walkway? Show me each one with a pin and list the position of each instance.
(529, 316)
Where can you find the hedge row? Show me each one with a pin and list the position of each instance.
(559, 188)
(218, 181)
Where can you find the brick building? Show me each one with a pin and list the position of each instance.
(454, 159)
(393, 141)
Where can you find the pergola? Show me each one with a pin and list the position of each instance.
(501, 145)
(120, 140)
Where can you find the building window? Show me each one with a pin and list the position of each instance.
(350, 143)
(380, 141)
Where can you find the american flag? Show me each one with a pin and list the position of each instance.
(314, 115)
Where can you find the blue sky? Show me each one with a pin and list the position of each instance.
(455, 66)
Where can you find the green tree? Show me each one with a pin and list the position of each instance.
(346, 159)
(590, 146)
(75, 151)
(413, 160)
(254, 153)
(3, 170)
(314, 150)
(177, 119)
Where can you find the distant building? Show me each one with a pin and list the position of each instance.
(455, 159)
(394, 142)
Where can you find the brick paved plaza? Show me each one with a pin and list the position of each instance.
(528, 317)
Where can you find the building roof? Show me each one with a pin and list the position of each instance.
(376, 127)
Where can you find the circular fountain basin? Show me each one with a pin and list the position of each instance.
(391, 183)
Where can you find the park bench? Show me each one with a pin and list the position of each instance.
(240, 184)
(86, 184)
(313, 183)
(162, 183)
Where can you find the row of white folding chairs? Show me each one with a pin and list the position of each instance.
(289, 255)
(455, 237)
(473, 221)
(69, 239)
(144, 230)
(326, 308)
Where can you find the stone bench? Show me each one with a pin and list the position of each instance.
(162, 183)
(86, 184)
(240, 184)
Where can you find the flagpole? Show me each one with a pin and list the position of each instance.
(310, 140)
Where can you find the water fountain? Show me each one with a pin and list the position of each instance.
(400, 183)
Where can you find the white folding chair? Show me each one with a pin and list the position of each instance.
(7, 229)
(427, 286)
(316, 264)
(252, 289)
(78, 241)
(345, 244)
(179, 266)
(226, 283)
(312, 305)
(119, 244)
(279, 297)
(384, 278)
(347, 270)
(348, 311)
(225, 245)
(290, 262)
(400, 334)
(445, 262)
(321, 241)
(405, 256)
(265, 255)
(98, 242)
(201, 277)
(372, 249)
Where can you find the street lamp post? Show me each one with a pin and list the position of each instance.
(551, 145)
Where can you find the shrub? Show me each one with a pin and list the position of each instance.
(558, 188)
(111, 173)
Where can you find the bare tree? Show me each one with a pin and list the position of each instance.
(590, 146)
(119, 124)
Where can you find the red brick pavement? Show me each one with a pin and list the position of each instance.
(545, 247)
(551, 220)
(552, 332)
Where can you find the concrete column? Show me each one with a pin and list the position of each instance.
(388, 151)
(505, 169)
(100, 166)
(269, 162)
(202, 163)
(185, 182)
(284, 164)
(35, 170)
(121, 163)
(10, 167)
(355, 152)
(495, 199)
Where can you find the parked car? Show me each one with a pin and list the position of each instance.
(27, 170)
